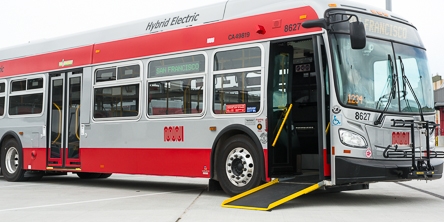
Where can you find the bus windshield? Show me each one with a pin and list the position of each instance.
(372, 78)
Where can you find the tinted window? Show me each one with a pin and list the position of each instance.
(236, 59)
(26, 104)
(2, 87)
(106, 75)
(128, 72)
(182, 96)
(237, 92)
(116, 101)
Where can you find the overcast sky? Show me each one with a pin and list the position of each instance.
(22, 21)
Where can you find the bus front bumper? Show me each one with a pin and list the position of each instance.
(354, 170)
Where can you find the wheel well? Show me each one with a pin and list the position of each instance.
(227, 133)
(6, 137)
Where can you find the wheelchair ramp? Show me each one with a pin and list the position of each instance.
(270, 195)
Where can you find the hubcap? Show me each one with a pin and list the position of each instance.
(12, 160)
(239, 167)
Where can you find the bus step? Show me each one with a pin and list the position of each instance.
(270, 195)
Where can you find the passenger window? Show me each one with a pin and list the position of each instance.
(237, 81)
(26, 96)
(117, 92)
(181, 96)
(176, 86)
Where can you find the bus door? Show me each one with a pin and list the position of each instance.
(282, 144)
(64, 120)
(296, 134)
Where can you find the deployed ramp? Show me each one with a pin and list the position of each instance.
(270, 195)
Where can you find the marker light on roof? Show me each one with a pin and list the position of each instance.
(333, 5)
(379, 13)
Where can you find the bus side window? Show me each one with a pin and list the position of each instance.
(116, 92)
(176, 85)
(237, 92)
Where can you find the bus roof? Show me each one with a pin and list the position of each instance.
(230, 9)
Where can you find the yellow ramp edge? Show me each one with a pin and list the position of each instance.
(246, 193)
(274, 204)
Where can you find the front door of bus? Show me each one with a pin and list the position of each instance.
(64, 120)
(282, 143)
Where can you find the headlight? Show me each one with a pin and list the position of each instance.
(352, 139)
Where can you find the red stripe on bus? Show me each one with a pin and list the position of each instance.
(327, 166)
(167, 161)
(267, 176)
(199, 36)
(276, 24)
(50, 61)
(34, 158)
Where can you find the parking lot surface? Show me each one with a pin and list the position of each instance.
(152, 198)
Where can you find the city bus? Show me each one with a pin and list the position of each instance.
(239, 92)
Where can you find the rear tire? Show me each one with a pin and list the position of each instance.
(12, 161)
(82, 175)
(239, 166)
(105, 175)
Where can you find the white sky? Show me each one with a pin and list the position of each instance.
(22, 21)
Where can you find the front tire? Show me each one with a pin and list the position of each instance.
(12, 161)
(239, 166)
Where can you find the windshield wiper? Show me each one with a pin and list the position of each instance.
(392, 94)
(404, 90)
(406, 80)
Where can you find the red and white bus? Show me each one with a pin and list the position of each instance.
(238, 92)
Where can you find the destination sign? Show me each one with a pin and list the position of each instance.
(190, 67)
(382, 27)
(177, 66)
(385, 28)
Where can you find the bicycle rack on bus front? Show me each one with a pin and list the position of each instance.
(420, 159)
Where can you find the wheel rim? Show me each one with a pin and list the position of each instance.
(12, 160)
(239, 167)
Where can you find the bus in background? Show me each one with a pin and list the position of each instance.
(238, 92)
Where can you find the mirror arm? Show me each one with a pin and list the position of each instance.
(321, 23)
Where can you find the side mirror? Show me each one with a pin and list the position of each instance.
(357, 35)
(357, 29)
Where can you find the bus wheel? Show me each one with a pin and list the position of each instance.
(238, 165)
(82, 175)
(105, 175)
(12, 161)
